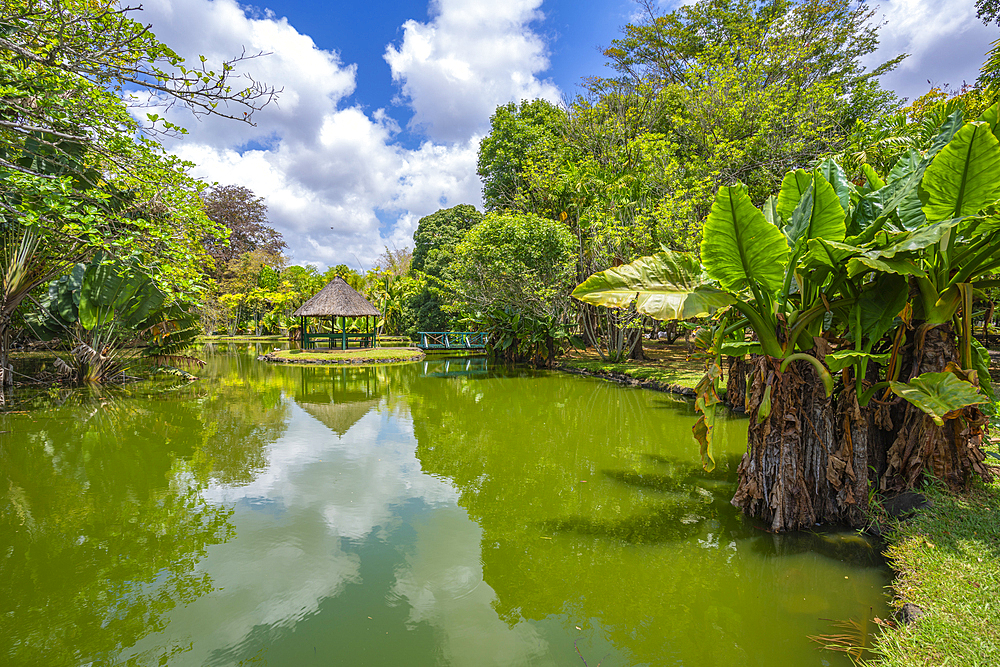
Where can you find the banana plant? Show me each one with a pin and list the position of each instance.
(105, 309)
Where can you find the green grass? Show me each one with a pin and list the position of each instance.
(948, 563)
(359, 356)
(684, 375)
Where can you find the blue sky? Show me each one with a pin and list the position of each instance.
(574, 32)
(384, 103)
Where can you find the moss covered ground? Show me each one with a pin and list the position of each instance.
(665, 365)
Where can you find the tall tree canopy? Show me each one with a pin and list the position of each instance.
(78, 172)
(442, 230)
(751, 88)
(517, 134)
(245, 216)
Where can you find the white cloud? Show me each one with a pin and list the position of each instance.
(946, 42)
(471, 57)
(337, 181)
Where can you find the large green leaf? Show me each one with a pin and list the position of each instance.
(981, 364)
(910, 210)
(872, 178)
(841, 359)
(949, 128)
(965, 176)
(739, 245)
(898, 265)
(830, 254)
(741, 348)
(837, 177)
(917, 240)
(907, 165)
(111, 292)
(106, 287)
(665, 286)
(793, 186)
(937, 394)
(880, 304)
(770, 210)
(992, 118)
(818, 215)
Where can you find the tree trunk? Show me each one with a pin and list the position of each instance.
(587, 321)
(736, 383)
(672, 332)
(636, 353)
(951, 452)
(6, 369)
(794, 475)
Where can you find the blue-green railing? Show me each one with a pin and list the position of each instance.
(452, 340)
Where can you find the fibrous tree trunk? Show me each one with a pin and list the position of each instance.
(951, 452)
(795, 473)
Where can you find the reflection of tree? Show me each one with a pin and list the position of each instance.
(101, 525)
(593, 507)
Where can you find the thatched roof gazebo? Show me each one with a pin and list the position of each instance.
(337, 299)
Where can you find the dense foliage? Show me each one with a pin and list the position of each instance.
(79, 173)
(871, 283)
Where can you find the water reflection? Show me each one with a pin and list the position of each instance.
(101, 524)
(594, 511)
(442, 512)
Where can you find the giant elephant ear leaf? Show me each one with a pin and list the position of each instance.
(872, 179)
(818, 215)
(837, 177)
(770, 209)
(740, 246)
(992, 117)
(793, 187)
(938, 394)
(965, 176)
(880, 303)
(665, 286)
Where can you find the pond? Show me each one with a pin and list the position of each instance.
(443, 512)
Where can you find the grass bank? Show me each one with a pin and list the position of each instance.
(947, 561)
(363, 356)
(666, 367)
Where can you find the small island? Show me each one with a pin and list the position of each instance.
(378, 355)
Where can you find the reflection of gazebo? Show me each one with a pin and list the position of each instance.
(339, 417)
(337, 299)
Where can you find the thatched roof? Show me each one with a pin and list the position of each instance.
(337, 299)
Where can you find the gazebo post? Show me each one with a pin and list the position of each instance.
(343, 332)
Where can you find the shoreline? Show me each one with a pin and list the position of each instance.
(626, 380)
(343, 357)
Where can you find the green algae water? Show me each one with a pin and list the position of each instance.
(436, 513)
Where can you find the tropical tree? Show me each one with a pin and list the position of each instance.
(244, 215)
(434, 244)
(873, 284)
(512, 277)
(78, 172)
(750, 88)
(105, 310)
